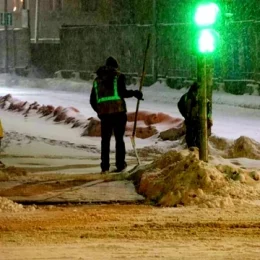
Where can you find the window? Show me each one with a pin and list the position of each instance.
(89, 5)
(17, 5)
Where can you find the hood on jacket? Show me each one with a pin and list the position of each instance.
(109, 70)
(111, 62)
(194, 87)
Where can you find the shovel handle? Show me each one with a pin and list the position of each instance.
(141, 82)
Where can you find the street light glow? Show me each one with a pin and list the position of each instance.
(206, 14)
(207, 41)
(206, 19)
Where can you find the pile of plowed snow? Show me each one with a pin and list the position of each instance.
(241, 147)
(180, 178)
(7, 205)
(148, 123)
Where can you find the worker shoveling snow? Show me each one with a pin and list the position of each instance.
(180, 178)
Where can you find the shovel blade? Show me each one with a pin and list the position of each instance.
(136, 154)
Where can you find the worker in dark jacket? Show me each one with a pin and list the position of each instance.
(1, 133)
(189, 108)
(107, 99)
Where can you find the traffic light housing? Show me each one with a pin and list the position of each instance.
(207, 16)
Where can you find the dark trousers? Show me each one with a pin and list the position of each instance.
(113, 123)
(192, 133)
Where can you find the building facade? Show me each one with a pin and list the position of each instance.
(80, 34)
(15, 54)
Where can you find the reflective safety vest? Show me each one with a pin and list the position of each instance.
(108, 104)
(108, 98)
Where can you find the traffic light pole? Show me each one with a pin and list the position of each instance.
(202, 81)
(6, 37)
(155, 33)
(209, 72)
(206, 18)
(209, 75)
(36, 25)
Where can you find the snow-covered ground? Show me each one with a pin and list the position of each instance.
(36, 140)
(233, 115)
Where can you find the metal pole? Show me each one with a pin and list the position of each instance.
(209, 75)
(256, 48)
(6, 37)
(202, 81)
(36, 27)
(155, 52)
(209, 86)
(26, 26)
(27, 8)
(14, 50)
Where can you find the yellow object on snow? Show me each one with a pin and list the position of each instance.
(1, 130)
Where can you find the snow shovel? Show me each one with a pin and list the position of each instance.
(138, 101)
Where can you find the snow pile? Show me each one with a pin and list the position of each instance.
(67, 115)
(7, 205)
(46, 83)
(148, 123)
(243, 147)
(156, 93)
(149, 151)
(180, 178)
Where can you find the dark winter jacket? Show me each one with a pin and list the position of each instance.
(105, 85)
(188, 106)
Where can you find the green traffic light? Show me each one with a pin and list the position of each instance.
(206, 18)
(206, 14)
(207, 41)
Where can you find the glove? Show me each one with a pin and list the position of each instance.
(138, 94)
